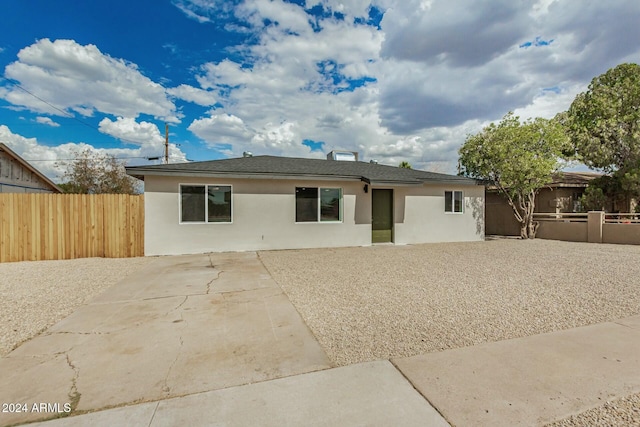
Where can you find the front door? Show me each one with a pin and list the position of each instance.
(381, 215)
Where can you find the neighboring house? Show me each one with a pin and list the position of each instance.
(267, 202)
(18, 176)
(561, 196)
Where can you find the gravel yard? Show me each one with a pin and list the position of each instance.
(388, 301)
(37, 294)
(620, 412)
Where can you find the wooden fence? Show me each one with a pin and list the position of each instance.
(36, 226)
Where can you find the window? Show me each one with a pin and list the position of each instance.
(205, 203)
(318, 204)
(453, 201)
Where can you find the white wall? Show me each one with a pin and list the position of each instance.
(419, 215)
(264, 217)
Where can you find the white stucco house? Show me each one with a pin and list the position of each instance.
(268, 202)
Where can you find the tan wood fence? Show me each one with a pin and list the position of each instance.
(35, 226)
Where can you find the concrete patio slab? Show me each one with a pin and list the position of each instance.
(169, 330)
(367, 394)
(532, 380)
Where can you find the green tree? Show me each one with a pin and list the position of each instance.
(604, 126)
(593, 199)
(519, 159)
(404, 164)
(94, 173)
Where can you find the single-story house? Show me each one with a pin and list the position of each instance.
(18, 176)
(268, 202)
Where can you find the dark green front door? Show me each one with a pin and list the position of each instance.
(381, 215)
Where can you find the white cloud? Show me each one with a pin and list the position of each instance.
(51, 160)
(130, 131)
(413, 89)
(47, 121)
(438, 70)
(77, 78)
(289, 17)
(350, 8)
(192, 94)
(221, 129)
(297, 87)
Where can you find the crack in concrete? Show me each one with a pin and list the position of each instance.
(74, 394)
(166, 389)
(186, 297)
(215, 278)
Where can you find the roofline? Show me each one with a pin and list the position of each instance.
(23, 162)
(237, 175)
(140, 171)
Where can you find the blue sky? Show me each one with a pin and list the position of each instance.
(394, 80)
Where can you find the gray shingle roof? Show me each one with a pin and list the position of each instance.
(291, 168)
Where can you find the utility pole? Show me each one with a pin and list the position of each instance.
(166, 144)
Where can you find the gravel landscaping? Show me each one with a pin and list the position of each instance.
(620, 412)
(391, 301)
(35, 295)
(388, 301)
(369, 303)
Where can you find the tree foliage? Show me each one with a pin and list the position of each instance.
(404, 164)
(604, 121)
(518, 158)
(604, 126)
(94, 173)
(593, 199)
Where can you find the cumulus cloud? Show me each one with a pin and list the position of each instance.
(193, 94)
(221, 129)
(128, 130)
(414, 88)
(302, 84)
(79, 78)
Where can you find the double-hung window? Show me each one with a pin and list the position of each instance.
(315, 204)
(453, 201)
(205, 203)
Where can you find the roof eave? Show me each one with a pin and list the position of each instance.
(140, 173)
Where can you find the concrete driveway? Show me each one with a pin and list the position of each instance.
(182, 325)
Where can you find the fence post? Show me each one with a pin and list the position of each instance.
(594, 226)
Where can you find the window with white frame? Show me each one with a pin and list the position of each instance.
(315, 204)
(205, 203)
(453, 201)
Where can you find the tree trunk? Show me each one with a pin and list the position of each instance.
(528, 227)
